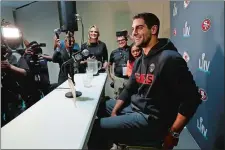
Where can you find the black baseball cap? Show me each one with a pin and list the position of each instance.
(121, 33)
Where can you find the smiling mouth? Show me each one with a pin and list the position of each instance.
(137, 39)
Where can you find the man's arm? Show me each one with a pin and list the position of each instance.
(110, 71)
(6, 65)
(130, 88)
(56, 58)
(110, 64)
(181, 81)
(47, 57)
(178, 78)
(18, 70)
(26, 43)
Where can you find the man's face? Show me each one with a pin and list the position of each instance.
(121, 41)
(140, 33)
(67, 42)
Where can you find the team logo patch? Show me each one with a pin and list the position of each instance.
(174, 9)
(152, 67)
(186, 57)
(206, 24)
(203, 94)
(186, 30)
(174, 31)
(186, 3)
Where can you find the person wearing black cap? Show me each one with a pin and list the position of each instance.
(118, 61)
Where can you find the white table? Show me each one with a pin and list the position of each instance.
(54, 122)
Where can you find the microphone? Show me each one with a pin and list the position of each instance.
(68, 67)
(57, 32)
(79, 55)
(76, 57)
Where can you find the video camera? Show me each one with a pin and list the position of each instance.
(35, 48)
(33, 57)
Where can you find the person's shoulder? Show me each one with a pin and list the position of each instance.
(76, 46)
(101, 43)
(115, 51)
(84, 44)
(170, 54)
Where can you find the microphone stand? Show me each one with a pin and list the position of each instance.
(79, 18)
(71, 70)
(82, 42)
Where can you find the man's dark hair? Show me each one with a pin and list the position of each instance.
(150, 20)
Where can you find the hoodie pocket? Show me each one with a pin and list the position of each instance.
(146, 105)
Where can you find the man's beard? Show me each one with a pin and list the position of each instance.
(144, 44)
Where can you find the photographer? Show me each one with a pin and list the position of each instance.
(12, 93)
(37, 63)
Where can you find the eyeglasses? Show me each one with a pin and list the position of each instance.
(121, 40)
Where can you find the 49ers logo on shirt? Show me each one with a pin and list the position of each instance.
(174, 31)
(203, 94)
(144, 78)
(206, 24)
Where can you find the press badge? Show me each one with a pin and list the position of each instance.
(124, 71)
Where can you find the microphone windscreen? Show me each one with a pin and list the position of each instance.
(85, 52)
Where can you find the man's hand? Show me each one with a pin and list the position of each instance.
(93, 57)
(27, 51)
(57, 42)
(105, 65)
(170, 142)
(47, 57)
(113, 114)
(5, 64)
(83, 62)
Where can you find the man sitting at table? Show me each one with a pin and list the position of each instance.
(162, 91)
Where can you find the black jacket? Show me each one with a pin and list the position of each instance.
(60, 57)
(161, 85)
(99, 50)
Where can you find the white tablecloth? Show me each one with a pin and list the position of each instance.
(54, 122)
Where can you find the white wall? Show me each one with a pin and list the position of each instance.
(38, 21)
(7, 14)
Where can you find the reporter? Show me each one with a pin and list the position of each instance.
(38, 65)
(61, 55)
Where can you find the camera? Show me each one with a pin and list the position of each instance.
(3, 52)
(35, 47)
(35, 61)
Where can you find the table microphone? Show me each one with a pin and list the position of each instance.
(76, 57)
